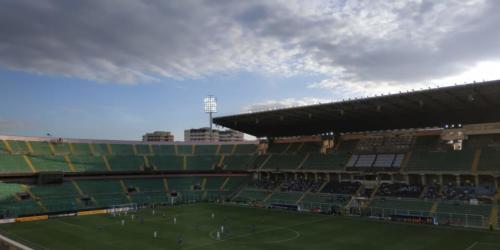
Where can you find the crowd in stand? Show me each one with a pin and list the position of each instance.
(299, 185)
(341, 187)
(399, 190)
(432, 192)
(466, 192)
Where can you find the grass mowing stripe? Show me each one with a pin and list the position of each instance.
(257, 232)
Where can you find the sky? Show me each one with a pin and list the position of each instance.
(115, 69)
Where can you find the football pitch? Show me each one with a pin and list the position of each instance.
(244, 228)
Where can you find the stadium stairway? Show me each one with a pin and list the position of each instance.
(30, 164)
(265, 161)
(68, 161)
(308, 191)
(494, 216)
(475, 161)
(106, 162)
(125, 191)
(303, 160)
(77, 188)
(26, 189)
(7, 146)
(165, 185)
(424, 191)
(224, 183)
(238, 191)
(434, 207)
(405, 162)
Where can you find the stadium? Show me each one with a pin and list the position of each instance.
(413, 170)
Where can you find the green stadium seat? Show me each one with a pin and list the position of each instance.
(214, 183)
(235, 182)
(142, 149)
(81, 149)
(91, 187)
(167, 162)
(183, 183)
(41, 148)
(205, 149)
(145, 185)
(226, 149)
(13, 164)
(100, 149)
(205, 162)
(184, 149)
(122, 149)
(290, 198)
(490, 160)
(125, 162)
(61, 148)
(242, 162)
(245, 149)
(88, 163)
(164, 149)
(49, 163)
(18, 147)
(284, 161)
(441, 161)
(333, 161)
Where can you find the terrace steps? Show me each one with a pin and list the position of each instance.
(405, 161)
(134, 148)
(184, 163)
(52, 149)
(92, 149)
(234, 149)
(308, 191)
(299, 148)
(165, 185)
(30, 164)
(424, 191)
(71, 148)
(7, 146)
(77, 187)
(265, 161)
(221, 160)
(106, 162)
(150, 148)
(475, 161)
(30, 148)
(434, 207)
(68, 161)
(110, 149)
(494, 216)
(224, 183)
(146, 161)
(203, 183)
(303, 161)
(218, 149)
(238, 192)
(322, 186)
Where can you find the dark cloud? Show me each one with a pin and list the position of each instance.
(131, 41)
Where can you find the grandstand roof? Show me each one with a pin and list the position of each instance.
(462, 104)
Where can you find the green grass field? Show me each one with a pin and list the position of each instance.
(274, 230)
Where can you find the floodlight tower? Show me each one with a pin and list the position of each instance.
(210, 106)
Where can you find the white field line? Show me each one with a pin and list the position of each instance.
(14, 243)
(257, 232)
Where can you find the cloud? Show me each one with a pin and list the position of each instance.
(350, 42)
(284, 103)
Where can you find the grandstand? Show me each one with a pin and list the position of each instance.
(414, 160)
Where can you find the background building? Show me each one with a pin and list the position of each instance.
(203, 135)
(158, 136)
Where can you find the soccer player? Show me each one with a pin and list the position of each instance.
(179, 239)
(218, 235)
(123, 222)
(213, 216)
(175, 220)
(154, 212)
(222, 229)
(155, 234)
